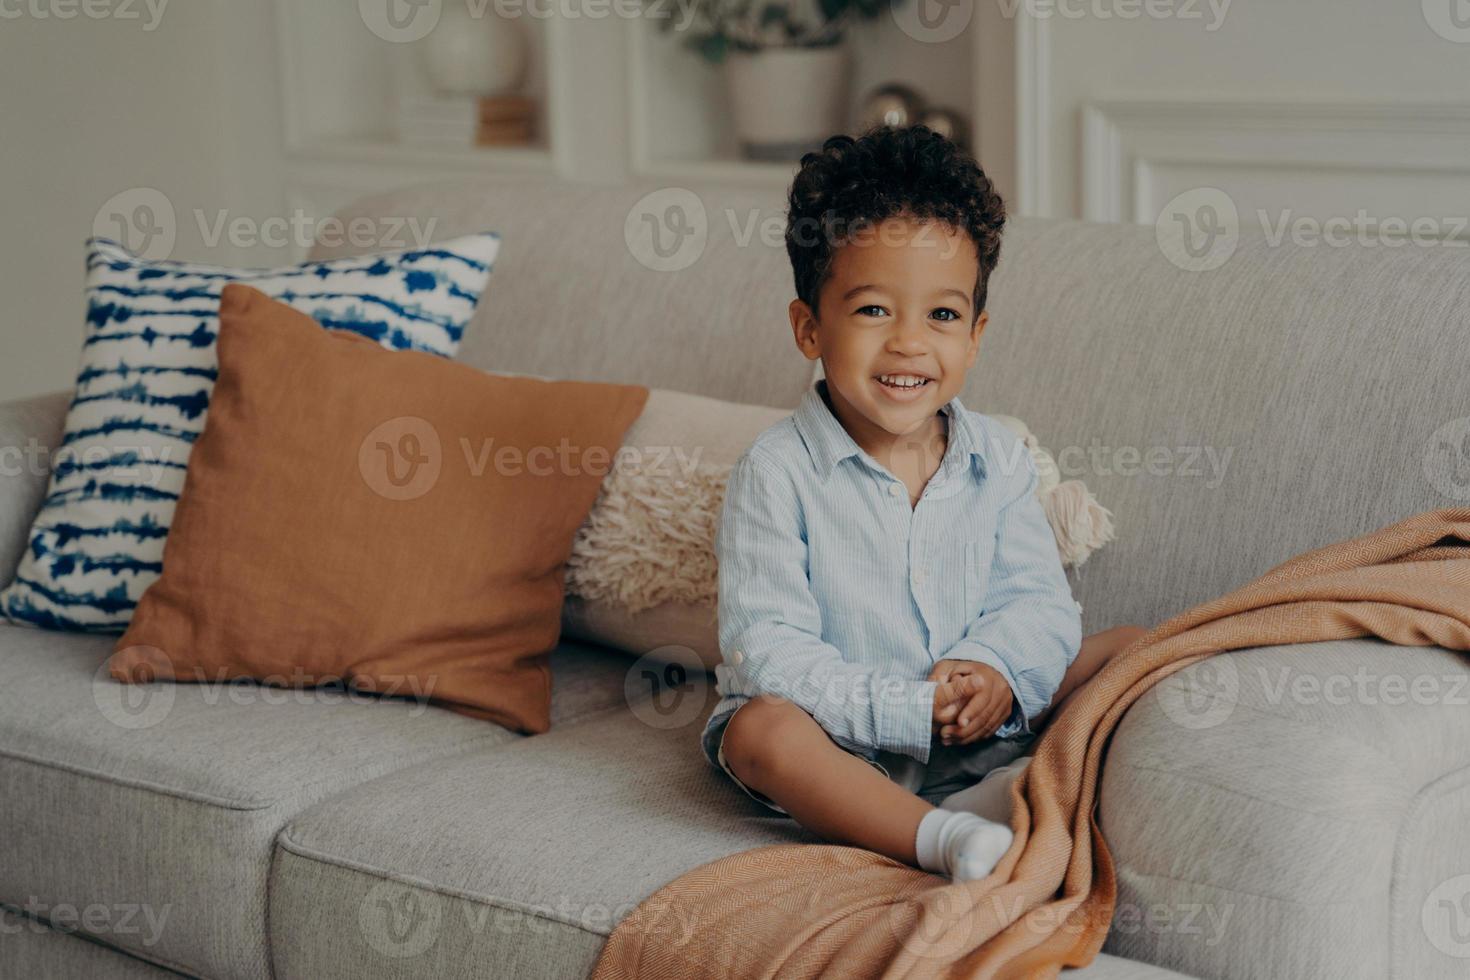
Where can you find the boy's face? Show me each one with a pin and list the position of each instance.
(899, 301)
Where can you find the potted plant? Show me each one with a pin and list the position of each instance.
(786, 66)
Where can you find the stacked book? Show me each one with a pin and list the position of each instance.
(489, 120)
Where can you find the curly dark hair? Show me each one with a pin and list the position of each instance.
(887, 172)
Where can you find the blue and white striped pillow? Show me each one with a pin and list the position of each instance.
(147, 370)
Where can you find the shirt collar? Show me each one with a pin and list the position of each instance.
(829, 443)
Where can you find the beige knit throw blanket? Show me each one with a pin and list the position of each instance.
(825, 910)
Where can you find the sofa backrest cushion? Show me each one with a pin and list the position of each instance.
(1229, 419)
(572, 300)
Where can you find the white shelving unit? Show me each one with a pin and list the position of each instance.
(680, 117)
(618, 100)
(340, 83)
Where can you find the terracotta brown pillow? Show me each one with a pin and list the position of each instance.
(392, 520)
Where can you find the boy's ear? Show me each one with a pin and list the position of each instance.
(804, 329)
(975, 332)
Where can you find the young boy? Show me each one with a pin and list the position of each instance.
(893, 615)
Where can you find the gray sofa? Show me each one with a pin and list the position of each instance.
(1264, 824)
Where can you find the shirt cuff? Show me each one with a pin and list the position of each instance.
(906, 716)
(1015, 725)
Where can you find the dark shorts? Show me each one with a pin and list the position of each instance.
(950, 768)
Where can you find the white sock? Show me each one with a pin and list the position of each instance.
(991, 796)
(961, 845)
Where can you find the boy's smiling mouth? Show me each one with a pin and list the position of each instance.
(903, 385)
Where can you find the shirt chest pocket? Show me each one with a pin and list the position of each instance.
(979, 554)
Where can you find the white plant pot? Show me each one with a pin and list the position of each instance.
(470, 55)
(787, 100)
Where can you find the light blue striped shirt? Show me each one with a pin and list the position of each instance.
(838, 595)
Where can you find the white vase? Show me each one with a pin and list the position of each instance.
(787, 100)
(467, 54)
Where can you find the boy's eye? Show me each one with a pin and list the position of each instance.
(943, 313)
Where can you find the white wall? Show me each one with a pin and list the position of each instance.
(93, 108)
(1347, 53)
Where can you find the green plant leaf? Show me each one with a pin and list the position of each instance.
(712, 47)
(832, 9)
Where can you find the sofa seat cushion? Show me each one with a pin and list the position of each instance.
(29, 948)
(526, 859)
(1301, 809)
(172, 802)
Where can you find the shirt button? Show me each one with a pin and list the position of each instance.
(894, 489)
(736, 657)
(919, 577)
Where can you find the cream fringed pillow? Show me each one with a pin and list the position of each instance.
(641, 575)
(1080, 523)
(642, 571)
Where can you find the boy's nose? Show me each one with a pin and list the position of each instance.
(907, 335)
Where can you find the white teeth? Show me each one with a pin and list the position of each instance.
(902, 380)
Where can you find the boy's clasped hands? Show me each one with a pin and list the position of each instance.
(970, 703)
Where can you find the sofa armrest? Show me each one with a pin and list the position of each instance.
(30, 434)
(1295, 811)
